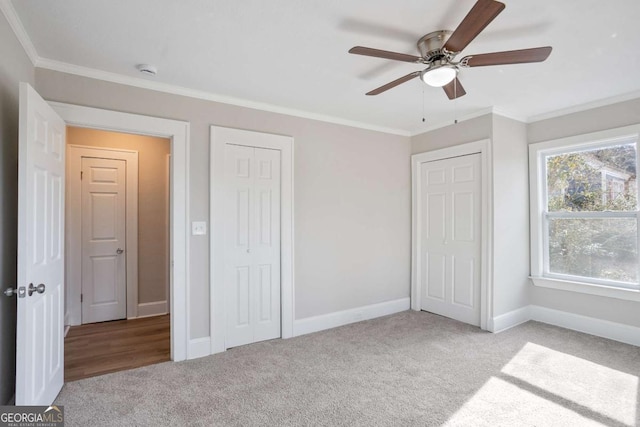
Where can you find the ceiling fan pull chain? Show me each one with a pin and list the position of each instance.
(423, 118)
(455, 101)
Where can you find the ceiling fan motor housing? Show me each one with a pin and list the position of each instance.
(430, 46)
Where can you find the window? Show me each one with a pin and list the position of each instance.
(585, 215)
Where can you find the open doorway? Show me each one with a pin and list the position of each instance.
(118, 274)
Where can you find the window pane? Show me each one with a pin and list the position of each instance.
(596, 248)
(593, 180)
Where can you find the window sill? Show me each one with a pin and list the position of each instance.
(587, 288)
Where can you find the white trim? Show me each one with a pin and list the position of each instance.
(590, 325)
(584, 107)
(509, 320)
(178, 133)
(538, 203)
(486, 263)
(167, 224)
(587, 288)
(73, 259)
(148, 309)
(216, 209)
(18, 29)
(199, 347)
(339, 318)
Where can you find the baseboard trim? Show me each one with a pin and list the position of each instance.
(509, 320)
(589, 325)
(602, 328)
(199, 347)
(345, 317)
(148, 309)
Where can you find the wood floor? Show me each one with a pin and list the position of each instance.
(101, 348)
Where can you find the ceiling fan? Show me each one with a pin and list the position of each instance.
(438, 50)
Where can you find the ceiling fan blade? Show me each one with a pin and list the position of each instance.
(480, 15)
(454, 89)
(367, 51)
(394, 83)
(522, 56)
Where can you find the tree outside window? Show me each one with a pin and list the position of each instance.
(591, 217)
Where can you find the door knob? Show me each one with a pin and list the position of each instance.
(119, 251)
(39, 289)
(10, 292)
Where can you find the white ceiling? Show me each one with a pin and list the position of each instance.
(293, 54)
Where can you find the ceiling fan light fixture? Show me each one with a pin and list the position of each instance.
(440, 75)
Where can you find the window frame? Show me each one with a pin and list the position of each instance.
(539, 216)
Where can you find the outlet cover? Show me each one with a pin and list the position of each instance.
(198, 228)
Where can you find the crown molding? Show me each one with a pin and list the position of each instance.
(18, 29)
(208, 96)
(584, 107)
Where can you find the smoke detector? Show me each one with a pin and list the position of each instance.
(149, 70)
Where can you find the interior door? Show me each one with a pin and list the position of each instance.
(40, 322)
(104, 280)
(252, 244)
(450, 238)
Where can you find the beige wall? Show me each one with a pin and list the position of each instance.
(14, 68)
(352, 195)
(594, 120)
(511, 266)
(153, 183)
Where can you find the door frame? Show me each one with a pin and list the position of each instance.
(73, 258)
(287, 295)
(482, 147)
(178, 133)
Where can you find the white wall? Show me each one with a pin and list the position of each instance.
(593, 120)
(14, 68)
(352, 195)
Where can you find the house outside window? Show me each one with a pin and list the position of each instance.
(585, 215)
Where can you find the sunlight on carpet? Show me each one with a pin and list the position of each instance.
(503, 403)
(542, 384)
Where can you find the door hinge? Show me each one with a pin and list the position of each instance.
(81, 172)
(81, 297)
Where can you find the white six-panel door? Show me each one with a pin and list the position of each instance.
(252, 244)
(41, 171)
(104, 286)
(450, 238)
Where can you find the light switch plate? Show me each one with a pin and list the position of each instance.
(198, 228)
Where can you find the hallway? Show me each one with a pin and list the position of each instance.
(101, 348)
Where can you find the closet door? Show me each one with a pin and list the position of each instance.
(451, 238)
(252, 244)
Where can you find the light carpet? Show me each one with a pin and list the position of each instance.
(407, 369)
